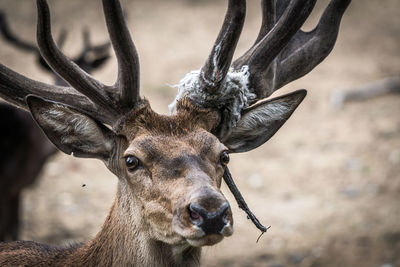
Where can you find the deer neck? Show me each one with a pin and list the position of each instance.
(123, 241)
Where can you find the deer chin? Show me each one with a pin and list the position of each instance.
(207, 240)
(196, 237)
(211, 239)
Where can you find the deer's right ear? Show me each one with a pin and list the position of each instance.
(72, 131)
(261, 121)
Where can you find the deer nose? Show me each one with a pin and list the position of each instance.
(209, 222)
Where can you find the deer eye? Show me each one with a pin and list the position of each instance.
(131, 162)
(224, 158)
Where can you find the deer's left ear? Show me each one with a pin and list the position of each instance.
(72, 131)
(261, 121)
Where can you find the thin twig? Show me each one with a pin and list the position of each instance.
(242, 203)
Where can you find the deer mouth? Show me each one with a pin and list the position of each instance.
(204, 220)
(198, 235)
(207, 240)
(210, 239)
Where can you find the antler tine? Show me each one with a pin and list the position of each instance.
(307, 49)
(101, 49)
(15, 88)
(128, 82)
(62, 37)
(271, 12)
(218, 63)
(260, 56)
(88, 47)
(12, 38)
(65, 67)
(92, 56)
(86, 39)
(268, 19)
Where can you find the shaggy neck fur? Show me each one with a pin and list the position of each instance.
(124, 241)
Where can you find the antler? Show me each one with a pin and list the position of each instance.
(127, 57)
(92, 56)
(282, 52)
(12, 38)
(65, 67)
(15, 87)
(218, 63)
(104, 103)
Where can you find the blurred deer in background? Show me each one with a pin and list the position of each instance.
(169, 168)
(25, 149)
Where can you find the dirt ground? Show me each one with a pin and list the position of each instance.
(328, 183)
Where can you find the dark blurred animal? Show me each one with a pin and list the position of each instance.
(24, 147)
(24, 150)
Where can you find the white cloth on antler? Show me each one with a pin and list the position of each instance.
(231, 98)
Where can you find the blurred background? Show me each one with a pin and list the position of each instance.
(328, 183)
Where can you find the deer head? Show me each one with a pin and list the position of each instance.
(170, 168)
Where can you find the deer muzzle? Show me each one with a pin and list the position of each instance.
(210, 222)
(206, 219)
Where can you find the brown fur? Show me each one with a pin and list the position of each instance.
(188, 118)
(148, 224)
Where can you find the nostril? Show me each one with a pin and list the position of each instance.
(209, 222)
(194, 213)
(224, 208)
(224, 212)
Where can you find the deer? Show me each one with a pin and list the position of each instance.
(24, 146)
(170, 168)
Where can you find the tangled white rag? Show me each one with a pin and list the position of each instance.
(231, 98)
